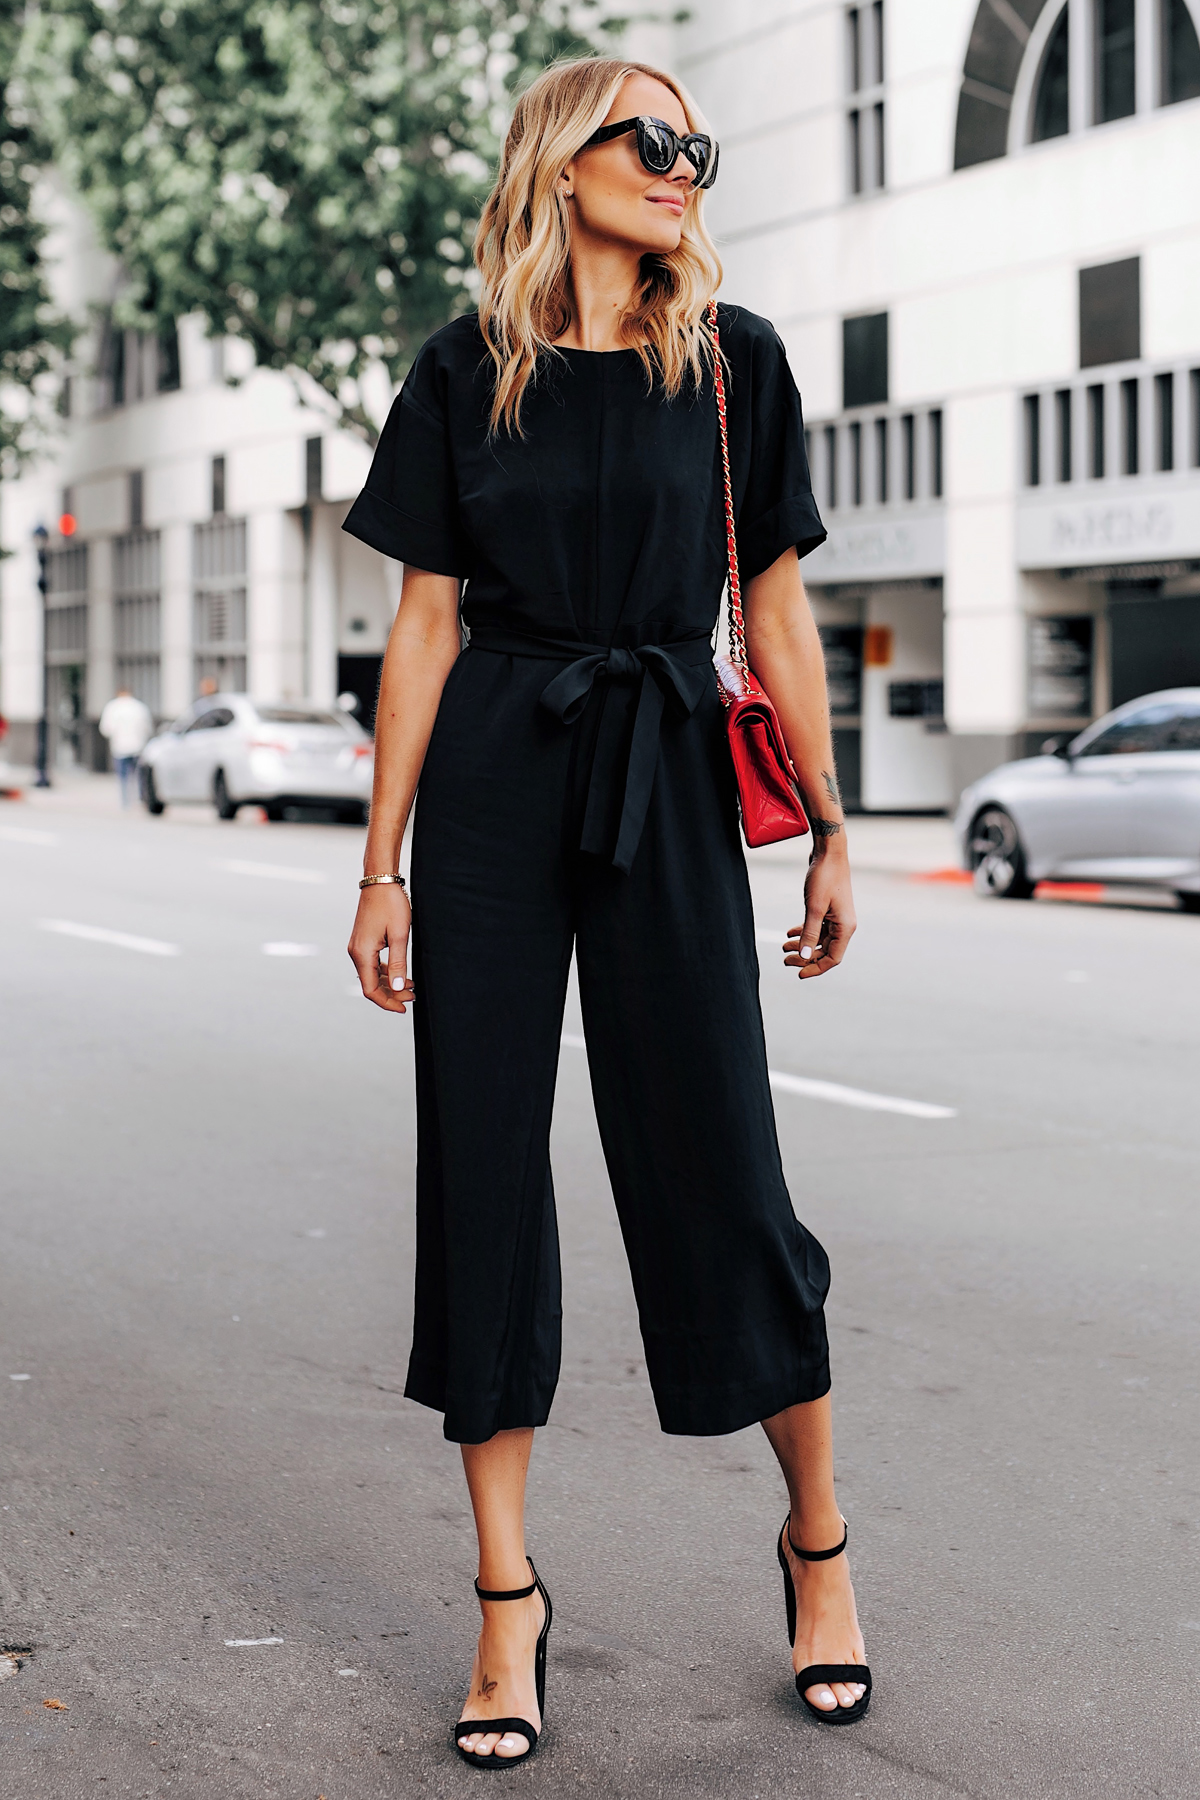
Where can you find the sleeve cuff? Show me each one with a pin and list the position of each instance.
(793, 522)
(397, 534)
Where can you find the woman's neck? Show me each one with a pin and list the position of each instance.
(603, 281)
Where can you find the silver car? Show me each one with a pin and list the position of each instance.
(1119, 803)
(233, 751)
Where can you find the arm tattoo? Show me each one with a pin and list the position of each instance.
(831, 787)
(825, 828)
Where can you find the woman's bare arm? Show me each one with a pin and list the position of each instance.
(785, 654)
(421, 650)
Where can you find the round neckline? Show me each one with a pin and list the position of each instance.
(573, 350)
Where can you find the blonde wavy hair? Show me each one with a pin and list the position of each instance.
(523, 245)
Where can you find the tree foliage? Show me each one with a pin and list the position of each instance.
(306, 174)
(31, 335)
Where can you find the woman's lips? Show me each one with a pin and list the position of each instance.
(672, 205)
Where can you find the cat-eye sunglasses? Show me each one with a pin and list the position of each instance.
(659, 147)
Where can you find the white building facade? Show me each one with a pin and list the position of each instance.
(976, 226)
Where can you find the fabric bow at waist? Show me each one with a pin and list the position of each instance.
(680, 670)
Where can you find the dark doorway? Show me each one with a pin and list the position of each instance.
(1154, 642)
(359, 675)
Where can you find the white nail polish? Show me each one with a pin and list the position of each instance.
(397, 982)
(806, 953)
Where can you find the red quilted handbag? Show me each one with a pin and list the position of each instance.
(768, 791)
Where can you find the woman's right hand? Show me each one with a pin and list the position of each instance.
(383, 920)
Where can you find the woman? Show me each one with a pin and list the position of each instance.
(560, 453)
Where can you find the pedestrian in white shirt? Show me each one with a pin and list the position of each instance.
(128, 725)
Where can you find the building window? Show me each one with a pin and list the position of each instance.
(219, 603)
(1129, 426)
(135, 500)
(865, 115)
(881, 461)
(218, 486)
(1181, 53)
(1033, 440)
(1116, 59)
(1052, 104)
(1164, 419)
(1062, 410)
(856, 462)
(908, 437)
(1095, 404)
(865, 361)
(313, 469)
(137, 614)
(831, 471)
(1194, 383)
(1110, 323)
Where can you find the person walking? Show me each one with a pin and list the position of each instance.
(128, 724)
(560, 453)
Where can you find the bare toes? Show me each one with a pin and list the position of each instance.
(512, 1744)
(487, 1743)
(822, 1697)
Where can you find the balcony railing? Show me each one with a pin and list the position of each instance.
(1121, 423)
(877, 457)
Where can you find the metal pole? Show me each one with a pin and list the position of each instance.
(43, 731)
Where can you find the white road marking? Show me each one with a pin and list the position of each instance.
(99, 934)
(284, 949)
(272, 871)
(24, 834)
(20, 1378)
(848, 1096)
(347, 1671)
(249, 1643)
(827, 1090)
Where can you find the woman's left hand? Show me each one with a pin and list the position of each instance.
(829, 923)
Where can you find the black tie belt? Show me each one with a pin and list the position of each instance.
(679, 672)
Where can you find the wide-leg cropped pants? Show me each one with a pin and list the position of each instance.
(729, 1284)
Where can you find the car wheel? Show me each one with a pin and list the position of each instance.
(226, 808)
(997, 856)
(273, 810)
(1188, 902)
(150, 799)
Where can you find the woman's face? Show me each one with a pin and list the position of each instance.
(618, 201)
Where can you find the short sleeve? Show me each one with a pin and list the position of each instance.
(773, 491)
(409, 506)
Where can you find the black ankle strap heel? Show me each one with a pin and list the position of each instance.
(821, 1672)
(465, 1727)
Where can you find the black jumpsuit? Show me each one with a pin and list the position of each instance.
(578, 795)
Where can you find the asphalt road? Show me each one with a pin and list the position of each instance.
(206, 1171)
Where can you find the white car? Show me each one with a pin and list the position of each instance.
(1119, 803)
(232, 751)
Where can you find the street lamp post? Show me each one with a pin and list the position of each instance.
(40, 535)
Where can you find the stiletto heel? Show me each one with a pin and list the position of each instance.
(465, 1727)
(818, 1672)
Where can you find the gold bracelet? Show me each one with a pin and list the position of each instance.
(381, 880)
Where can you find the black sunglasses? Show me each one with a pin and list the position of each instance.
(659, 147)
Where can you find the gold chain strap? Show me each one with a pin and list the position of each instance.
(737, 628)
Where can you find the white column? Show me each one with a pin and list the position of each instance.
(985, 636)
(323, 605)
(1148, 38)
(275, 624)
(176, 619)
(1081, 60)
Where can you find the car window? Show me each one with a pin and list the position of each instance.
(1182, 731)
(299, 715)
(1145, 729)
(213, 721)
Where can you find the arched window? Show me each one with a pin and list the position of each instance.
(1096, 61)
(1051, 106)
(1181, 53)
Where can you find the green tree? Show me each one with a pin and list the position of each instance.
(304, 173)
(32, 336)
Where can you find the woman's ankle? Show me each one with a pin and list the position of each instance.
(816, 1527)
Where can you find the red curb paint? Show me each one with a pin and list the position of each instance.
(1070, 890)
(958, 876)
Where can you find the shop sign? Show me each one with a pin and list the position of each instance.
(1060, 667)
(880, 550)
(1127, 528)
